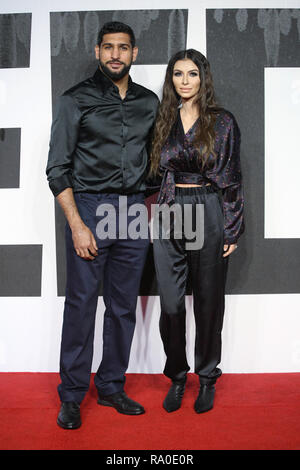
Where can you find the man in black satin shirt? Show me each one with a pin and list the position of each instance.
(98, 152)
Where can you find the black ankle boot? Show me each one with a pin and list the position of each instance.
(173, 400)
(205, 399)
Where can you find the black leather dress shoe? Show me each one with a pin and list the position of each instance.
(173, 400)
(69, 415)
(205, 399)
(122, 403)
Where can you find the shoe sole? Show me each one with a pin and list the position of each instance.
(130, 413)
(68, 426)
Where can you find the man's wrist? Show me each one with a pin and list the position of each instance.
(76, 223)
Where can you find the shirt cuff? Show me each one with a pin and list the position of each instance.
(233, 239)
(57, 185)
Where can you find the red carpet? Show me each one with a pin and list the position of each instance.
(252, 411)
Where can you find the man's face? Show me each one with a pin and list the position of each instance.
(116, 55)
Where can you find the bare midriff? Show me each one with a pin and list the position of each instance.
(191, 185)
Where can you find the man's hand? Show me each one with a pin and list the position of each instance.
(84, 242)
(228, 249)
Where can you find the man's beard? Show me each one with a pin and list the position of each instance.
(115, 75)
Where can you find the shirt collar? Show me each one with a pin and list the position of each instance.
(104, 83)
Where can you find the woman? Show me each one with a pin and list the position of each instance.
(196, 150)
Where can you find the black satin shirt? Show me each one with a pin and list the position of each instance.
(99, 141)
(180, 164)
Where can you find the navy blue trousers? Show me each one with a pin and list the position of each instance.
(119, 266)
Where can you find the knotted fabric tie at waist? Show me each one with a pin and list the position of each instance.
(169, 181)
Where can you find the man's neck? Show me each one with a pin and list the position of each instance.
(122, 85)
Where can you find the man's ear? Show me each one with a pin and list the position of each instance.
(97, 52)
(135, 51)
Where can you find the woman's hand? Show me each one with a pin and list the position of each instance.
(228, 249)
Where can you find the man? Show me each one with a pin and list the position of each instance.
(98, 151)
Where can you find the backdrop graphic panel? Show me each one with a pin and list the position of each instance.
(15, 35)
(22, 265)
(10, 140)
(240, 44)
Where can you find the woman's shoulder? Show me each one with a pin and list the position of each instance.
(225, 121)
(226, 117)
(223, 114)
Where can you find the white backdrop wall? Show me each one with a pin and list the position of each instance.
(261, 332)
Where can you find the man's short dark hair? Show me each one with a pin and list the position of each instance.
(116, 27)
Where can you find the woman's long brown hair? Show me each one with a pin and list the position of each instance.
(167, 112)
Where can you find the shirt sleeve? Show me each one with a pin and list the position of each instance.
(227, 175)
(63, 140)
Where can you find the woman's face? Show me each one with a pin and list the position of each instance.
(186, 78)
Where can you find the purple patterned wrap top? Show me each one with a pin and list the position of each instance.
(180, 164)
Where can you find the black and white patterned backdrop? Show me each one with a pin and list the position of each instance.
(251, 46)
